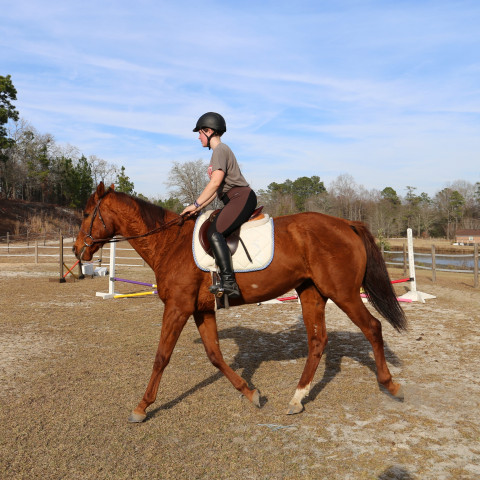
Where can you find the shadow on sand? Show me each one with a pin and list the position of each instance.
(396, 473)
(256, 347)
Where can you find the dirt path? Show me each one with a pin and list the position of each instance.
(73, 366)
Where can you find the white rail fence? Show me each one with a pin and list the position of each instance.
(51, 250)
(44, 250)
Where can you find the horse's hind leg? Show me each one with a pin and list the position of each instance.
(372, 329)
(313, 311)
(207, 327)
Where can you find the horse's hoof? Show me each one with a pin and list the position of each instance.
(294, 408)
(399, 395)
(137, 417)
(395, 391)
(256, 398)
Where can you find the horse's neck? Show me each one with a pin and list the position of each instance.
(155, 247)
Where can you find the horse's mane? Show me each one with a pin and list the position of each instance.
(152, 215)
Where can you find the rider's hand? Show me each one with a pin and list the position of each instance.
(190, 210)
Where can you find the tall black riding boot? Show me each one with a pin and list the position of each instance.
(223, 258)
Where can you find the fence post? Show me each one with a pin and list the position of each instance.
(8, 242)
(62, 278)
(36, 252)
(475, 265)
(434, 265)
(404, 259)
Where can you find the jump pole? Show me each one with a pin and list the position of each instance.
(112, 279)
(135, 282)
(115, 279)
(63, 276)
(138, 294)
(70, 270)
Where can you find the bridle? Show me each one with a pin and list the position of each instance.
(96, 211)
(109, 239)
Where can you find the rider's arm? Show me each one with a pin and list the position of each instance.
(209, 201)
(209, 193)
(210, 190)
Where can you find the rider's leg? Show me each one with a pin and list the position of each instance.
(236, 211)
(223, 259)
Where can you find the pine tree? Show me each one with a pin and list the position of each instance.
(123, 183)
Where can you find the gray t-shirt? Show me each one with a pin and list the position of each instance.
(224, 159)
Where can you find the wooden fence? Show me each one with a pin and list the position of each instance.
(460, 263)
(43, 250)
(60, 250)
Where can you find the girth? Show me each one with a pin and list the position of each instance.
(232, 240)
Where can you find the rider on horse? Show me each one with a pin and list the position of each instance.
(228, 184)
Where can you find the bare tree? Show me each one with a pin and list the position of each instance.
(67, 151)
(102, 171)
(319, 203)
(450, 204)
(186, 181)
(345, 192)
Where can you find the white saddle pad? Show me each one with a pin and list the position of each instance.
(257, 235)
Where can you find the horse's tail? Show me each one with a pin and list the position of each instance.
(376, 281)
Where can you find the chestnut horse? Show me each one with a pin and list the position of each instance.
(319, 256)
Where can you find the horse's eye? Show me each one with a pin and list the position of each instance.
(85, 215)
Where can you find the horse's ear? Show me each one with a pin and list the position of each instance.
(100, 189)
(112, 186)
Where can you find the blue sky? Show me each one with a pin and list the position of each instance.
(385, 91)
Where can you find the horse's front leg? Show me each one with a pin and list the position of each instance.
(174, 319)
(207, 327)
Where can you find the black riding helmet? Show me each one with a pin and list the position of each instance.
(214, 121)
(211, 120)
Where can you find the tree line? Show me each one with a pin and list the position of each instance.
(386, 212)
(34, 167)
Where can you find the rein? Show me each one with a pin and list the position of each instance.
(96, 210)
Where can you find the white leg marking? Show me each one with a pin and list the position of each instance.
(300, 394)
